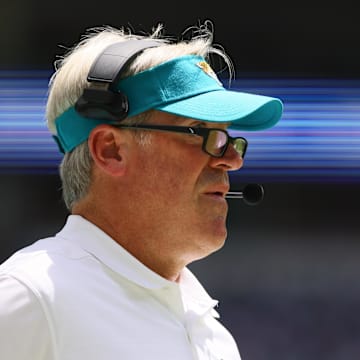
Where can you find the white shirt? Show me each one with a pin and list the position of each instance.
(80, 295)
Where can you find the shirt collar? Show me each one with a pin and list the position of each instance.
(100, 245)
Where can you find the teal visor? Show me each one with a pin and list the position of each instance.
(185, 86)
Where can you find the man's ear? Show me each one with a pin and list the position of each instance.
(108, 149)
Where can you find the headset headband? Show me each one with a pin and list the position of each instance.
(101, 100)
(108, 66)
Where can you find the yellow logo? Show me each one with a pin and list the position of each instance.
(208, 70)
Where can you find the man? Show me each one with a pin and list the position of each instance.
(142, 122)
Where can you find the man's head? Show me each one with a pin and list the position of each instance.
(70, 80)
(161, 168)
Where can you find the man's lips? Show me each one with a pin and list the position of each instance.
(217, 190)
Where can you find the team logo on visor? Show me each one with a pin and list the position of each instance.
(204, 66)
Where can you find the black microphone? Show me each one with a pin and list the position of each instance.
(252, 194)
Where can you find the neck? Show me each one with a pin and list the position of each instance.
(147, 244)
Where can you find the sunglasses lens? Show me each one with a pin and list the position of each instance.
(240, 146)
(216, 142)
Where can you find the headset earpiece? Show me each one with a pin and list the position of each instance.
(101, 100)
(102, 104)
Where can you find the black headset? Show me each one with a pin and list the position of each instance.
(101, 100)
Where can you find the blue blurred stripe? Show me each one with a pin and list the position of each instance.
(318, 138)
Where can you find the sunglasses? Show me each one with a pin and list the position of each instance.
(215, 141)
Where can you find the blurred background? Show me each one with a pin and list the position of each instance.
(287, 278)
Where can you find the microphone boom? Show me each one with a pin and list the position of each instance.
(252, 194)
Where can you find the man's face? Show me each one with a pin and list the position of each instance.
(180, 189)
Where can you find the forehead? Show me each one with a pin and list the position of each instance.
(163, 118)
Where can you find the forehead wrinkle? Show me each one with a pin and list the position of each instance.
(206, 124)
(179, 120)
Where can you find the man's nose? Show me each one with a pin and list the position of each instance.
(230, 161)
